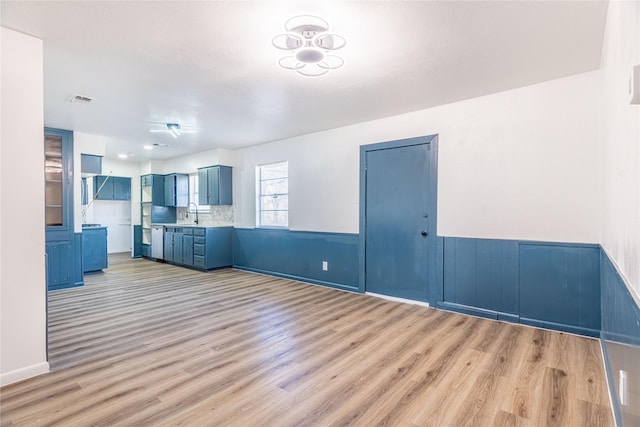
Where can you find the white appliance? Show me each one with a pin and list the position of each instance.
(157, 242)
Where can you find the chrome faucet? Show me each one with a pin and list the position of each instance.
(196, 206)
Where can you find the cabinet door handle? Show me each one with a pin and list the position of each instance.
(424, 232)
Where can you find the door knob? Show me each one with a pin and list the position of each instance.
(424, 232)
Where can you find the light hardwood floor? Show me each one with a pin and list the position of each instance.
(152, 344)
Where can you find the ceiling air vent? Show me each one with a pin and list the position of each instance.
(80, 98)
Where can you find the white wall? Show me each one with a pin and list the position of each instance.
(83, 143)
(521, 164)
(22, 240)
(620, 142)
(191, 163)
(118, 216)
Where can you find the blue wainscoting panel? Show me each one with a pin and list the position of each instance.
(299, 255)
(620, 340)
(481, 277)
(560, 287)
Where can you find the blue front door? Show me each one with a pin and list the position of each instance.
(400, 235)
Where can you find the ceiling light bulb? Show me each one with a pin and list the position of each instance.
(310, 55)
(148, 147)
(122, 156)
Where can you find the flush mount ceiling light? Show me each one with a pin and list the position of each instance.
(174, 130)
(311, 46)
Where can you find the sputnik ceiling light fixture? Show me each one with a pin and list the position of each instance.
(311, 46)
(174, 130)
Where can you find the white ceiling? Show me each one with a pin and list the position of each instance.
(211, 65)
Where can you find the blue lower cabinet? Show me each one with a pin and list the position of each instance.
(187, 250)
(145, 250)
(168, 244)
(137, 241)
(59, 267)
(177, 248)
(94, 249)
(204, 248)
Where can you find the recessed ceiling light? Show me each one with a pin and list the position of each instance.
(125, 155)
(148, 147)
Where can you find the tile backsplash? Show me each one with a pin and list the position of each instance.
(217, 216)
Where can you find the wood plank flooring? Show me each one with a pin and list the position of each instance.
(152, 344)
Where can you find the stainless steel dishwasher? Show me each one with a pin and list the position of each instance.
(157, 241)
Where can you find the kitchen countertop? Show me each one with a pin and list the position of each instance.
(190, 225)
(92, 226)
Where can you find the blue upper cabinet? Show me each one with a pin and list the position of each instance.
(176, 190)
(102, 187)
(121, 188)
(152, 188)
(111, 188)
(215, 185)
(90, 163)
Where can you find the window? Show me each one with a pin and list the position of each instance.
(194, 188)
(272, 207)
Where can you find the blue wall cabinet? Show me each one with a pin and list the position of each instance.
(102, 187)
(121, 188)
(63, 248)
(94, 249)
(111, 188)
(91, 164)
(176, 190)
(215, 185)
(152, 189)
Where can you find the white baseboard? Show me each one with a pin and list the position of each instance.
(406, 301)
(23, 373)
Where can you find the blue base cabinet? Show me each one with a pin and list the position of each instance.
(203, 248)
(94, 249)
(59, 265)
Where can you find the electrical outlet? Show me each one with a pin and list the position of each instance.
(622, 386)
(325, 266)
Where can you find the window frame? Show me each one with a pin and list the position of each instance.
(194, 190)
(259, 195)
